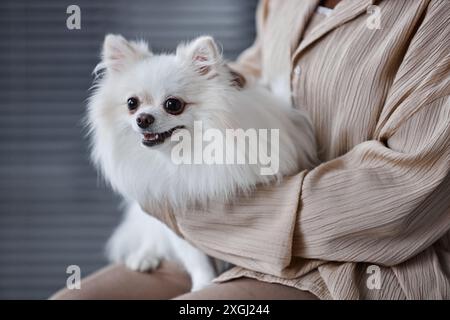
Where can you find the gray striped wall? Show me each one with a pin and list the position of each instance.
(54, 211)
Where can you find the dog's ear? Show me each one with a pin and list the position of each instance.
(118, 53)
(237, 79)
(202, 52)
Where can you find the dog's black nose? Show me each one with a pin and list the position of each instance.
(144, 120)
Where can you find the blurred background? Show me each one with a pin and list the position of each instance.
(54, 210)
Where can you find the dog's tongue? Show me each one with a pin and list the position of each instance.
(151, 136)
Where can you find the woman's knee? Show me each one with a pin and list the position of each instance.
(118, 282)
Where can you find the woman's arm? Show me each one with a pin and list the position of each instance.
(383, 202)
(377, 203)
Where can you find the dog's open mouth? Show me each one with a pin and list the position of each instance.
(153, 139)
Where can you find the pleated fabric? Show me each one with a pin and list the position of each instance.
(372, 220)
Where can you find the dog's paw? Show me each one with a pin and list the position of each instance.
(142, 262)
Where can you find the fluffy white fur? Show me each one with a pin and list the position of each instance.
(146, 175)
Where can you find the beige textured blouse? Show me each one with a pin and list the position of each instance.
(373, 220)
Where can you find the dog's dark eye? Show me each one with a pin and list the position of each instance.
(174, 106)
(132, 103)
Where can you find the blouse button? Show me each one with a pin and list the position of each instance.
(297, 70)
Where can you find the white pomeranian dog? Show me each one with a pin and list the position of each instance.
(140, 102)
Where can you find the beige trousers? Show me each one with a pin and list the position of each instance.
(170, 282)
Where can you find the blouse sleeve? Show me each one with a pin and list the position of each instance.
(379, 203)
(383, 202)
